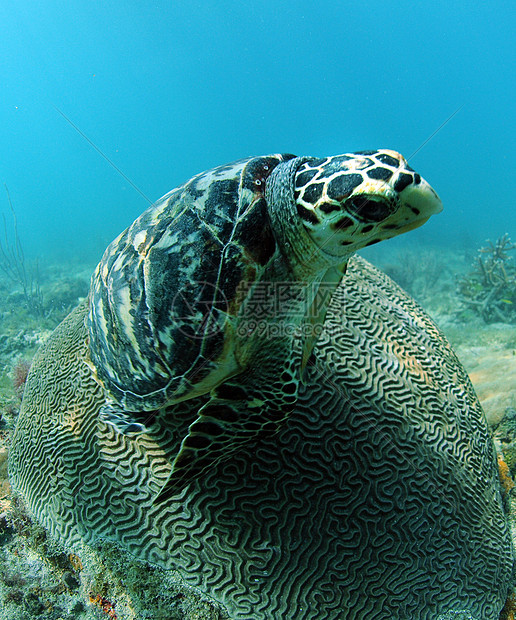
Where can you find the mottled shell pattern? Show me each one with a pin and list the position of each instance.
(159, 297)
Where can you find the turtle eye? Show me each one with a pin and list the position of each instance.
(258, 182)
(368, 209)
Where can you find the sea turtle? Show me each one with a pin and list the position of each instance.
(231, 311)
(220, 288)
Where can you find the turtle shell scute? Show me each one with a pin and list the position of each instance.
(165, 292)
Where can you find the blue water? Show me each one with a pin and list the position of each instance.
(167, 89)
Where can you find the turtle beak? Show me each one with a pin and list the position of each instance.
(422, 197)
(423, 201)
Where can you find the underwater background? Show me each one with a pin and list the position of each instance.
(106, 106)
(168, 89)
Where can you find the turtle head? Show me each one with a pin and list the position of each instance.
(343, 203)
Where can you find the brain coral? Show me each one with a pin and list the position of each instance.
(379, 498)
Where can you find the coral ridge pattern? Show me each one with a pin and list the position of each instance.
(375, 494)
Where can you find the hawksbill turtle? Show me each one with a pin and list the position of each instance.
(178, 304)
(239, 390)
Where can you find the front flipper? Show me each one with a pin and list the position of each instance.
(316, 314)
(259, 399)
(237, 413)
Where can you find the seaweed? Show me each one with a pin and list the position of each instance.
(417, 272)
(490, 288)
(13, 265)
